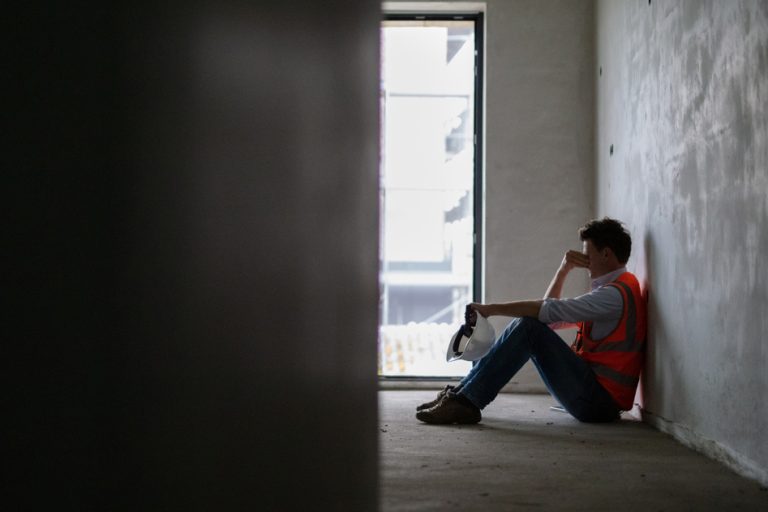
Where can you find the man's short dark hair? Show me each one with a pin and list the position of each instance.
(607, 232)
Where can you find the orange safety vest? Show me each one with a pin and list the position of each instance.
(617, 358)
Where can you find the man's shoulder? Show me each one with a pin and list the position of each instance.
(626, 277)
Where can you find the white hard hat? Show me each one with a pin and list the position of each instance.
(474, 347)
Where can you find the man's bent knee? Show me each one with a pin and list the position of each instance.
(536, 331)
(532, 325)
(530, 321)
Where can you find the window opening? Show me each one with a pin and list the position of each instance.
(429, 189)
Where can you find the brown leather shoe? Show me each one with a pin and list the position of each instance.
(448, 411)
(440, 395)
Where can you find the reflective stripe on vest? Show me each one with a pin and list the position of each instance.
(607, 371)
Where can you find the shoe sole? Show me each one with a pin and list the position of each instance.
(431, 421)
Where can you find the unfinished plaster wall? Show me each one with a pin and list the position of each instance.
(683, 108)
(539, 123)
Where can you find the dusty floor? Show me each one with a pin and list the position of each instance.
(524, 456)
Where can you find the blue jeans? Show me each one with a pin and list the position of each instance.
(568, 377)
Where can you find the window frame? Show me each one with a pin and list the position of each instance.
(478, 151)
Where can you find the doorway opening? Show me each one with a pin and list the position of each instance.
(430, 189)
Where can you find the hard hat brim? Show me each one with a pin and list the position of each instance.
(476, 346)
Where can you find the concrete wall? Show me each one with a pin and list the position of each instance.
(539, 147)
(190, 213)
(683, 100)
(539, 126)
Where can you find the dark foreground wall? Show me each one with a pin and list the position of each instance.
(191, 257)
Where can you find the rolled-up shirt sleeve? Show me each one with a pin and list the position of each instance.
(605, 303)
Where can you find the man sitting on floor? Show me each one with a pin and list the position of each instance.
(597, 376)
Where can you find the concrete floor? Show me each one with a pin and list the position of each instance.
(524, 456)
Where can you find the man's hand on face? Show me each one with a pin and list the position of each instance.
(574, 259)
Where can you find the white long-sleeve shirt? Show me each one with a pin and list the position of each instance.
(603, 306)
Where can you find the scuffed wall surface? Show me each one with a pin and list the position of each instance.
(682, 95)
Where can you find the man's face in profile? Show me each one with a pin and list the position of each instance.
(594, 256)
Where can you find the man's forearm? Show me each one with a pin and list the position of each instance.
(572, 259)
(555, 288)
(517, 308)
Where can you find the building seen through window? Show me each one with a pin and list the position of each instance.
(427, 187)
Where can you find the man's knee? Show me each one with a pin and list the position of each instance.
(532, 325)
(523, 329)
(529, 321)
(535, 331)
(523, 322)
